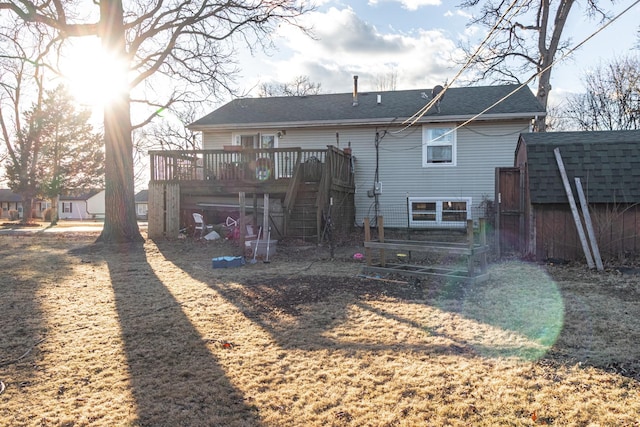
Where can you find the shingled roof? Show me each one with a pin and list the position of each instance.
(332, 109)
(7, 195)
(607, 163)
(79, 194)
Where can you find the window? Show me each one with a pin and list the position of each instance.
(257, 140)
(438, 146)
(66, 207)
(267, 141)
(142, 208)
(245, 141)
(430, 212)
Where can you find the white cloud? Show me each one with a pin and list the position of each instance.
(344, 45)
(409, 4)
(463, 14)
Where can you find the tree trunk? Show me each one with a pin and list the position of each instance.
(54, 210)
(120, 223)
(548, 53)
(27, 210)
(544, 87)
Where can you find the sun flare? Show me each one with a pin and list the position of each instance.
(94, 77)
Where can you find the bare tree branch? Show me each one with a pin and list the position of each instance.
(525, 43)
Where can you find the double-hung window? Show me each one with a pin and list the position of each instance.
(439, 212)
(438, 146)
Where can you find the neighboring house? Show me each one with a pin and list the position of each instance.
(11, 201)
(608, 165)
(82, 204)
(142, 204)
(419, 169)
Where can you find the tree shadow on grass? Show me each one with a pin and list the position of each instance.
(26, 270)
(175, 379)
(300, 311)
(533, 315)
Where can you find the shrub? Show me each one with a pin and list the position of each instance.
(14, 215)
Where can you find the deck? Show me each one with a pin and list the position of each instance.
(183, 180)
(233, 169)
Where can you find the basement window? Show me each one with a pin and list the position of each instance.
(433, 212)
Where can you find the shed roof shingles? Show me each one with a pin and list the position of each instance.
(607, 163)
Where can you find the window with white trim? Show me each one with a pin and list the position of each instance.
(439, 212)
(256, 140)
(438, 146)
(267, 140)
(66, 207)
(142, 208)
(245, 141)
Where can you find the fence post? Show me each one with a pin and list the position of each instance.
(367, 238)
(383, 261)
(483, 245)
(470, 242)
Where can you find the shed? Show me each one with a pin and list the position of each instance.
(608, 165)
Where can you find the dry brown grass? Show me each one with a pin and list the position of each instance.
(153, 336)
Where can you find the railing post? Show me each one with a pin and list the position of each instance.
(152, 167)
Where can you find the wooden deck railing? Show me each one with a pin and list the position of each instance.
(248, 165)
(279, 170)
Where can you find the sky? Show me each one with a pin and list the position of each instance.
(416, 40)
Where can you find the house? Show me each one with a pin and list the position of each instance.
(608, 165)
(10, 201)
(418, 167)
(142, 206)
(82, 204)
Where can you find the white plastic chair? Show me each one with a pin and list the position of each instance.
(200, 225)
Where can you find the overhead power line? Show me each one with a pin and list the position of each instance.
(424, 109)
(416, 116)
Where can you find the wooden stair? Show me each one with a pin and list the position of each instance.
(303, 222)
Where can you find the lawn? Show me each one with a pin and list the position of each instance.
(152, 335)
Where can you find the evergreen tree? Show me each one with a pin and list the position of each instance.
(56, 151)
(72, 154)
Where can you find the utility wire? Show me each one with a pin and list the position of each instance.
(569, 52)
(416, 116)
(554, 62)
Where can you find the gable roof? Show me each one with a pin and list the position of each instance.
(79, 194)
(142, 196)
(335, 109)
(7, 195)
(607, 163)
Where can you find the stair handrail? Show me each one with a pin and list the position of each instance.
(324, 188)
(292, 190)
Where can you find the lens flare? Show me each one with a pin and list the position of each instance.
(519, 312)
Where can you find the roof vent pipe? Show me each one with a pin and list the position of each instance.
(355, 91)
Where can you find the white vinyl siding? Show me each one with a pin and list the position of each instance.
(480, 148)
